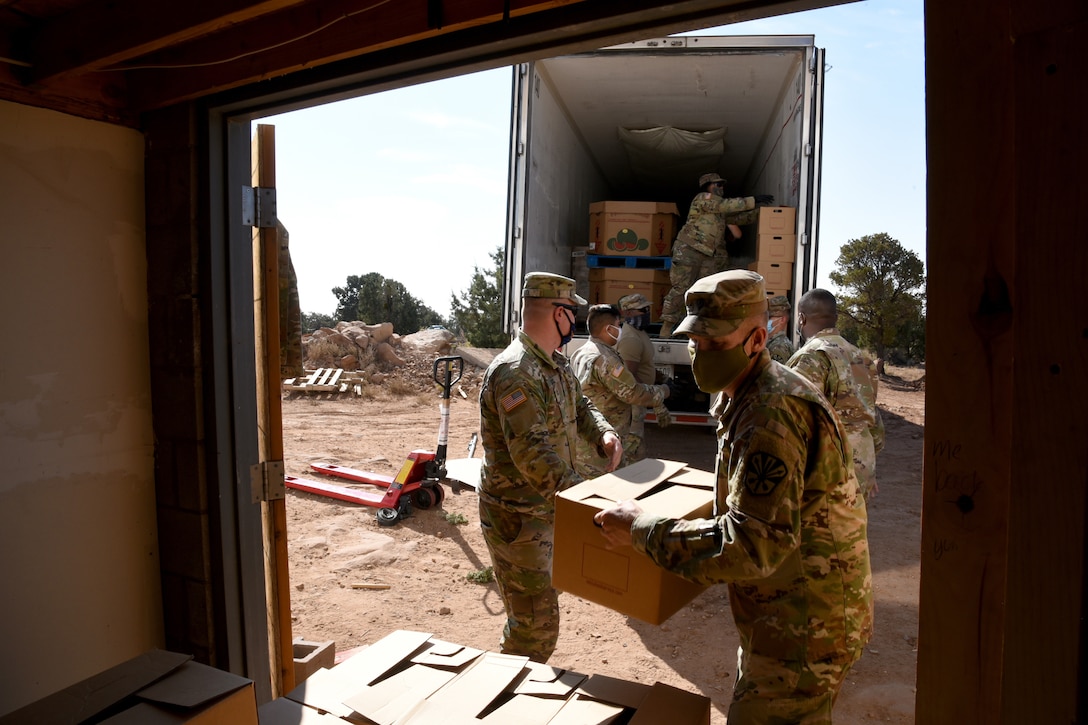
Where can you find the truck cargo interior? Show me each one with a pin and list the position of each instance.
(135, 513)
(639, 122)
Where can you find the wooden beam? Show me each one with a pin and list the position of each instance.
(306, 36)
(106, 32)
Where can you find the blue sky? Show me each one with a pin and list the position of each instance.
(411, 183)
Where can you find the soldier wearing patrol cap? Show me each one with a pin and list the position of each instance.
(847, 378)
(606, 381)
(532, 414)
(779, 345)
(637, 351)
(700, 247)
(789, 532)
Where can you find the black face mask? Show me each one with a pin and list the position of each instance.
(565, 338)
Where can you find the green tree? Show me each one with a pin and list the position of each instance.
(312, 321)
(883, 295)
(478, 315)
(373, 299)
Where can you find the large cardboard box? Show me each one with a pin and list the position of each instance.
(777, 220)
(776, 275)
(607, 285)
(632, 228)
(623, 579)
(155, 688)
(776, 247)
(411, 678)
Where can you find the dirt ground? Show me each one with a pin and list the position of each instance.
(425, 559)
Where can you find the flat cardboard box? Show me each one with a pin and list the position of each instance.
(622, 579)
(632, 228)
(776, 275)
(154, 688)
(776, 247)
(608, 284)
(777, 220)
(414, 679)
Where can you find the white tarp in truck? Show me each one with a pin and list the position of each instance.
(641, 122)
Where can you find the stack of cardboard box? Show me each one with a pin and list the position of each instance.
(643, 232)
(412, 678)
(776, 245)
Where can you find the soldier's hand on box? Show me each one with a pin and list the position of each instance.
(615, 523)
(764, 200)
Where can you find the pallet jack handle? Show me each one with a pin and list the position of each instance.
(445, 378)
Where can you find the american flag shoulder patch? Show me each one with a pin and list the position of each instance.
(513, 400)
(617, 371)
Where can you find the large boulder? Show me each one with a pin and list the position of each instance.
(389, 356)
(431, 343)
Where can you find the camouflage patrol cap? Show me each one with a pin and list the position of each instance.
(709, 179)
(719, 303)
(634, 301)
(550, 286)
(778, 305)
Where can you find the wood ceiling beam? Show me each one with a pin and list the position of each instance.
(108, 32)
(307, 36)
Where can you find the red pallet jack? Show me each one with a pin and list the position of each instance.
(419, 480)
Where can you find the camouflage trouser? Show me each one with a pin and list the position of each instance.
(521, 557)
(774, 692)
(864, 462)
(688, 266)
(633, 450)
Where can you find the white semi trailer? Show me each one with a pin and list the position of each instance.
(747, 107)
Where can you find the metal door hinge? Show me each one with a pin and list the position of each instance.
(266, 481)
(259, 206)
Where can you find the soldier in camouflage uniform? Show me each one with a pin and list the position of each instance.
(700, 247)
(532, 414)
(606, 381)
(846, 377)
(637, 351)
(779, 345)
(789, 527)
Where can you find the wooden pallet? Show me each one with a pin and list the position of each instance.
(325, 380)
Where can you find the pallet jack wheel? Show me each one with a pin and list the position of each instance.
(424, 498)
(440, 493)
(387, 517)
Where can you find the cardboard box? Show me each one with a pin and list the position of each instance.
(623, 579)
(776, 247)
(607, 285)
(632, 228)
(155, 688)
(776, 275)
(777, 220)
(410, 678)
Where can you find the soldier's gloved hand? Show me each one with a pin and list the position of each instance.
(764, 200)
(664, 418)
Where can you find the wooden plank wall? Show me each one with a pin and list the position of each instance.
(1003, 542)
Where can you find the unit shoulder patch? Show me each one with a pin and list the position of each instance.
(763, 472)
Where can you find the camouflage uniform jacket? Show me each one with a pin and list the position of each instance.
(606, 381)
(789, 533)
(532, 412)
(847, 378)
(780, 347)
(708, 216)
